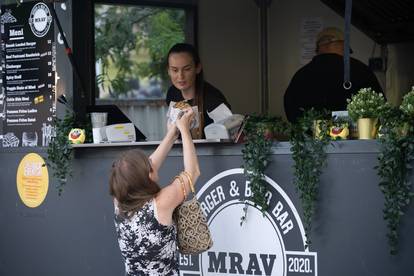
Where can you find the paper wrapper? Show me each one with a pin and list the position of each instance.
(173, 114)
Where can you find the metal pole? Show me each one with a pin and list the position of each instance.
(264, 73)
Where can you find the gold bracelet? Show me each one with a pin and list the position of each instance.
(180, 179)
(190, 181)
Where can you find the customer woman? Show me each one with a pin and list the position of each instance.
(143, 210)
(186, 74)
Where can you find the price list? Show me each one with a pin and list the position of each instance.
(29, 66)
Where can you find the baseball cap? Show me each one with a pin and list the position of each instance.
(328, 35)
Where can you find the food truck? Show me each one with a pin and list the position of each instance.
(67, 62)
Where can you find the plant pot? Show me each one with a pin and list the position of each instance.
(269, 134)
(367, 128)
(317, 132)
(353, 130)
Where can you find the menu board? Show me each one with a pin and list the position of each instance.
(27, 97)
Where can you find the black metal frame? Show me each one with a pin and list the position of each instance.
(84, 41)
(83, 54)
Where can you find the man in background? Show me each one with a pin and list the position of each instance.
(320, 83)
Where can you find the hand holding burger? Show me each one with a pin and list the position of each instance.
(184, 121)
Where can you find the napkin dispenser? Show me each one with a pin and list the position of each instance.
(118, 133)
(224, 129)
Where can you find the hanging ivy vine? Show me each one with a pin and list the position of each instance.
(259, 135)
(309, 156)
(60, 152)
(394, 168)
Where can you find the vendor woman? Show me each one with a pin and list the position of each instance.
(186, 73)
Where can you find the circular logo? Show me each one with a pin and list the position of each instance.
(32, 180)
(265, 243)
(40, 19)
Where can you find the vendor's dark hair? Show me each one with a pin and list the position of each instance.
(199, 93)
(130, 183)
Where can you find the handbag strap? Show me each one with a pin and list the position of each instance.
(190, 181)
(180, 179)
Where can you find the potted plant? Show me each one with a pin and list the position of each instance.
(60, 151)
(365, 108)
(407, 108)
(309, 156)
(260, 132)
(320, 128)
(407, 105)
(395, 165)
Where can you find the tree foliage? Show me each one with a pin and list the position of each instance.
(132, 41)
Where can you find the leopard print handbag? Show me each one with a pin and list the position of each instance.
(193, 233)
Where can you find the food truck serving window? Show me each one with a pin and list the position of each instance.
(132, 39)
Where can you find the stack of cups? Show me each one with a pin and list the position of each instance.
(99, 120)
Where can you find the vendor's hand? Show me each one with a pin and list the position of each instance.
(184, 122)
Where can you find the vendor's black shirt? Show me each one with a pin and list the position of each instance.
(212, 99)
(319, 84)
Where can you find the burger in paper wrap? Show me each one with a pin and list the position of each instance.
(176, 110)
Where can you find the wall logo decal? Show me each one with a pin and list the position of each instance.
(40, 19)
(266, 244)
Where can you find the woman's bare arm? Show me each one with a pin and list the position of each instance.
(173, 195)
(161, 152)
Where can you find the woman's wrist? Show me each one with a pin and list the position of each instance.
(172, 133)
(184, 131)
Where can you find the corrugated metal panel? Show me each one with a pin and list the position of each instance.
(148, 115)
